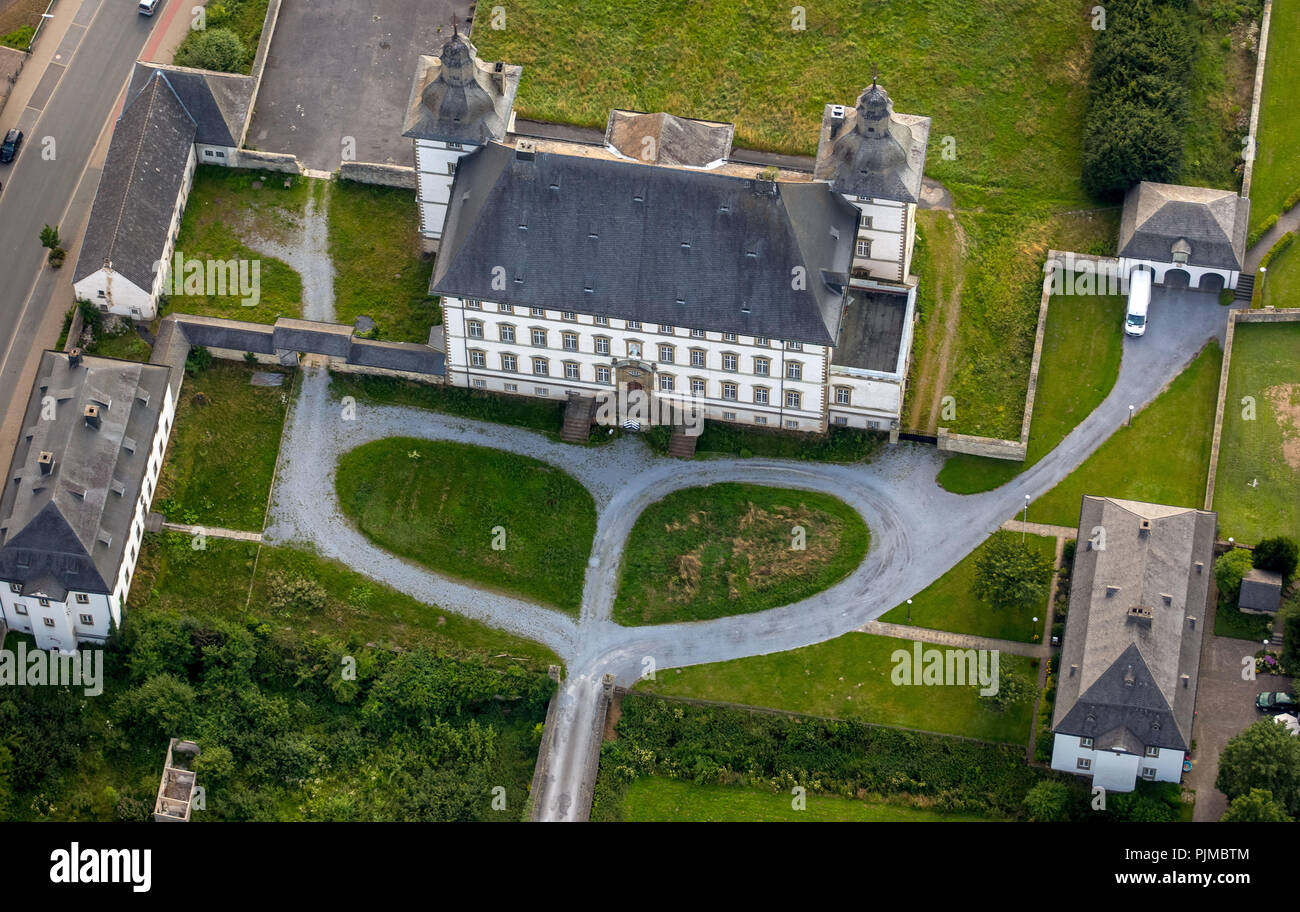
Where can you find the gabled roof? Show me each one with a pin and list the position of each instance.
(67, 524)
(666, 139)
(458, 98)
(869, 151)
(1132, 649)
(1161, 219)
(642, 242)
(217, 102)
(138, 188)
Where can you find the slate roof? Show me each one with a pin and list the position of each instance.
(1122, 676)
(1212, 223)
(872, 152)
(68, 530)
(458, 98)
(1261, 590)
(217, 102)
(649, 243)
(142, 178)
(871, 333)
(666, 139)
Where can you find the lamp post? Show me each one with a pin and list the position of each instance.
(1022, 528)
(909, 611)
(1263, 280)
(1034, 630)
(1130, 416)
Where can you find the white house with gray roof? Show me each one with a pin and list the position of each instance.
(1188, 237)
(654, 264)
(1126, 692)
(80, 484)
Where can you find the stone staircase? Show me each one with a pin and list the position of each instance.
(682, 443)
(1275, 639)
(1245, 287)
(578, 412)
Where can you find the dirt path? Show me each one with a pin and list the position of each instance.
(947, 244)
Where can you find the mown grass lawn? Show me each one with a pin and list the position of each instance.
(734, 549)
(126, 345)
(221, 459)
(446, 505)
(1163, 458)
(1082, 345)
(214, 584)
(1229, 622)
(949, 604)
(656, 798)
(223, 218)
(849, 678)
(378, 270)
(1277, 156)
(1257, 486)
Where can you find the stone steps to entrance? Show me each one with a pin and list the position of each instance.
(1245, 288)
(682, 444)
(578, 412)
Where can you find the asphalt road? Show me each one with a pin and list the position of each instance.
(74, 99)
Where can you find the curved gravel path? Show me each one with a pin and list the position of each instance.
(918, 531)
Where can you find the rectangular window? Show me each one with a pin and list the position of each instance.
(1085, 742)
(873, 425)
(571, 370)
(729, 391)
(728, 337)
(541, 367)
(541, 391)
(454, 146)
(602, 375)
(793, 370)
(843, 395)
(792, 425)
(760, 419)
(602, 320)
(507, 332)
(761, 340)
(472, 304)
(698, 357)
(512, 387)
(1153, 751)
(840, 419)
(539, 311)
(49, 622)
(1083, 763)
(87, 620)
(1148, 772)
(665, 383)
(506, 308)
(45, 603)
(539, 338)
(666, 354)
(509, 363)
(730, 362)
(762, 367)
(697, 334)
(477, 359)
(633, 324)
(602, 345)
(760, 395)
(570, 341)
(478, 383)
(20, 607)
(792, 399)
(667, 330)
(474, 329)
(866, 221)
(568, 315)
(697, 386)
(728, 416)
(794, 346)
(15, 587)
(863, 249)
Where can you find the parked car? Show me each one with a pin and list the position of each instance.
(1277, 702)
(1139, 299)
(149, 7)
(9, 148)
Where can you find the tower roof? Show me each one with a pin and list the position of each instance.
(871, 152)
(459, 98)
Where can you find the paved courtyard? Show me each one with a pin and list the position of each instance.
(337, 69)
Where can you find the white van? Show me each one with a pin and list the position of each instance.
(1139, 299)
(148, 7)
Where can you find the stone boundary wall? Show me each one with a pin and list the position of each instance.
(266, 161)
(544, 749)
(1267, 315)
(11, 64)
(1018, 450)
(281, 342)
(259, 62)
(1254, 104)
(399, 176)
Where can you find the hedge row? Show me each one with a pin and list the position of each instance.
(1257, 295)
(1137, 96)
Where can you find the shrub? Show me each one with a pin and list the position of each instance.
(1278, 554)
(287, 593)
(1009, 575)
(1257, 806)
(198, 360)
(1228, 571)
(20, 38)
(1263, 756)
(1047, 801)
(217, 49)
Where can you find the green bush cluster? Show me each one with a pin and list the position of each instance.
(228, 39)
(290, 727)
(20, 38)
(1137, 96)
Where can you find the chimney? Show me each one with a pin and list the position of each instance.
(525, 150)
(837, 120)
(1145, 526)
(92, 416)
(46, 462)
(74, 357)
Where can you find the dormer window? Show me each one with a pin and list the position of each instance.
(1181, 251)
